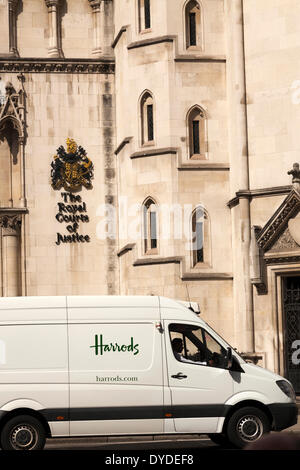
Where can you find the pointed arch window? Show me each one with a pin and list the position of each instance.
(193, 25)
(147, 118)
(144, 14)
(197, 133)
(150, 222)
(200, 237)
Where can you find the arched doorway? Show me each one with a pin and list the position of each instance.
(291, 328)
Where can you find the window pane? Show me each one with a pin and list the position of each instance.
(147, 15)
(145, 227)
(198, 236)
(196, 137)
(199, 241)
(216, 354)
(192, 27)
(150, 121)
(153, 232)
(193, 350)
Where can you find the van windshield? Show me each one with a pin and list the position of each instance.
(224, 341)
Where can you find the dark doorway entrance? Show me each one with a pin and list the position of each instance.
(291, 329)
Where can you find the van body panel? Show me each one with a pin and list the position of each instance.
(59, 428)
(112, 301)
(41, 397)
(20, 403)
(116, 427)
(179, 312)
(32, 303)
(32, 310)
(254, 395)
(34, 353)
(259, 382)
(119, 368)
(116, 315)
(197, 400)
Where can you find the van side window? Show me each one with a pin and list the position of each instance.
(215, 353)
(192, 344)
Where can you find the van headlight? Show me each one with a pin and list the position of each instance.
(287, 389)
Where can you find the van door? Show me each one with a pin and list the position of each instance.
(198, 380)
(116, 379)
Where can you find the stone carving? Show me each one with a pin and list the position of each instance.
(295, 172)
(11, 223)
(284, 243)
(12, 108)
(288, 209)
(58, 66)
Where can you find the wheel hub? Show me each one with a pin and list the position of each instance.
(250, 428)
(23, 437)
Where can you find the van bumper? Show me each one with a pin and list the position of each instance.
(284, 415)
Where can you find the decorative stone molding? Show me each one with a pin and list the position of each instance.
(10, 224)
(57, 66)
(284, 243)
(257, 266)
(280, 259)
(288, 209)
(275, 243)
(13, 110)
(262, 192)
(184, 274)
(12, 113)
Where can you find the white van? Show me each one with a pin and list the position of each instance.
(109, 365)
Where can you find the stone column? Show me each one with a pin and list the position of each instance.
(53, 8)
(21, 113)
(11, 225)
(239, 172)
(12, 16)
(107, 27)
(97, 49)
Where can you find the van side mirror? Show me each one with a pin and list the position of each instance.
(229, 358)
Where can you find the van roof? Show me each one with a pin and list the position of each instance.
(73, 301)
(45, 309)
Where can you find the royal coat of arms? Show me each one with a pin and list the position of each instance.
(71, 169)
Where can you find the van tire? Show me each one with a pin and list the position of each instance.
(23, 432)
(247, 425)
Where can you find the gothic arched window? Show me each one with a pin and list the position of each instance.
(150, 222)
(197, 133)
(193, 25)
(200, 236)
(147, 118)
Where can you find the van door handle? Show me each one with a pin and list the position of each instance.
(179, 376)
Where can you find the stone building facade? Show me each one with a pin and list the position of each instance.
(145, 147)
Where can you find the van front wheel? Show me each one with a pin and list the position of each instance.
(23, 433)
(247, 425)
